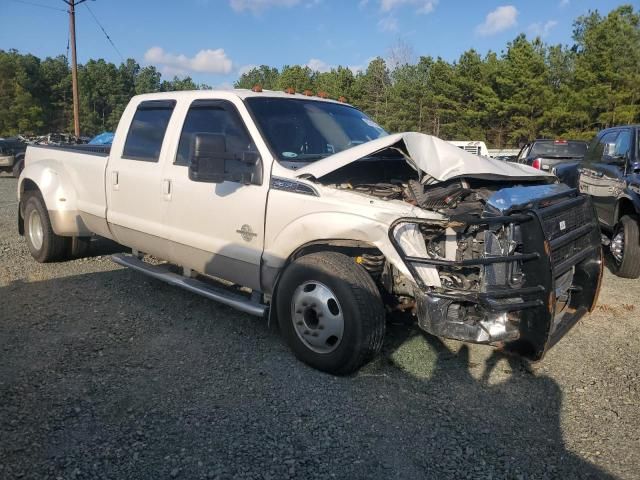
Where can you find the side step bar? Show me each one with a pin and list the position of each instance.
(160, 272)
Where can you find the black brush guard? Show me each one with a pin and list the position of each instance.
(559, 234)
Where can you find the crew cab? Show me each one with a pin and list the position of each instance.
(610, 174)
(305, 211)
(545, 154)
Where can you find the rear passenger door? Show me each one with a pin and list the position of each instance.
(136, 211)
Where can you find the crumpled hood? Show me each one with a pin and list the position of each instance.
(431, 157)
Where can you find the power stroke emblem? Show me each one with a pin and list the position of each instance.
(246, 233)
(563, 225)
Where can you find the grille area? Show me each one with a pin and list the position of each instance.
(561, 222)
(573, 218)
(565, 252)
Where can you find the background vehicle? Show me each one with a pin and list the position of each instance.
(104, 138)
(609, 173)
(476, 147)
(504, 154)
(12, 155)
(545, 154)
(312, 213)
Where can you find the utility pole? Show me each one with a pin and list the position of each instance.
(74, 64)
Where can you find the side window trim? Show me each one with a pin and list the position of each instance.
(149, 105)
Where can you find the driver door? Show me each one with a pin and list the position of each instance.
(215, 228)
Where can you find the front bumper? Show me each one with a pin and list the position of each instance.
(561, 260)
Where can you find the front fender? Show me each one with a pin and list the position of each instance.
(330, 227)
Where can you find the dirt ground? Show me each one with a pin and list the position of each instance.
(105, 373)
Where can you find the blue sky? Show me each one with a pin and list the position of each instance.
(214, 40)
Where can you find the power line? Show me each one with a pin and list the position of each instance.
(105, 32)
(39, 5)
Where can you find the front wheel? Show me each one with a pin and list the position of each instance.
(330, 312)
(625, 248)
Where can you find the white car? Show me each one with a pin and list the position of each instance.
(325, 220)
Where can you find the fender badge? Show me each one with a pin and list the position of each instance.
(246, 233)
(563, 225)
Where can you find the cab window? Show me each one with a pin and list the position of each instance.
(602, 147)
(146, 133)
(218, 117)
(622, 147)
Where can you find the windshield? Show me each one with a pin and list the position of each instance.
(303, 131)
(559, 149)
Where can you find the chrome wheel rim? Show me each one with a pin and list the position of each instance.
(617, 246)
(36, 232)
(317, 317)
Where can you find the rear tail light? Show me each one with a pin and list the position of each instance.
(537, 163)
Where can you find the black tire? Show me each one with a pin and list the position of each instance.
(18, 167)
(357, 296)
(629, 267)
(53, 247)
(78, 247)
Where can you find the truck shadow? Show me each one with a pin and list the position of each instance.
(124, 372)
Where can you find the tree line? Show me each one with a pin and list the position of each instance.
(529, 90)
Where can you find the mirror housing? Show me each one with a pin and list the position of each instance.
(211, 163)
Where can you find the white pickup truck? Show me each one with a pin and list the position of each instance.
(305, 211)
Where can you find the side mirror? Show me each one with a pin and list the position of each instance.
(211, 163)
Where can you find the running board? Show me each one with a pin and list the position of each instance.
(160, 272)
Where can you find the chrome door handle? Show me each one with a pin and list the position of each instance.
(166, 188)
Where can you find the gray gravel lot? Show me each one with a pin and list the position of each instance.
(105, 373)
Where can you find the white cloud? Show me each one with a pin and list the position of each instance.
(319, 65)
(388, 24)
(224, 86)
(257, 6)
(246, 69)
(564, 3)
(421, 6)
(205, 61)
(501, 19)
(538, 29)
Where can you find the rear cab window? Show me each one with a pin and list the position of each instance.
(147, 130)
(559, 149)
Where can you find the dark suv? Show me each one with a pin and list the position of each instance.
(12, 155)
(609, 173)
(545, 154)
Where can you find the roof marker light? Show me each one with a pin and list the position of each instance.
(257, 88)
(342, 99)
(322, 94)
(290, 90)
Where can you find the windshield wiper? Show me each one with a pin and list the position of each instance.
(306, 157)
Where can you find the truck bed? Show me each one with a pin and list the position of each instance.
(80, 172)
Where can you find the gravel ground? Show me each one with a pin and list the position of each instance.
(108, 374)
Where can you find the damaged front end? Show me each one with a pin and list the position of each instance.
(508, 258)
(519, 274)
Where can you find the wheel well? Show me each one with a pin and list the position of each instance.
(350, 248)
(625, 207)
(27, 187)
